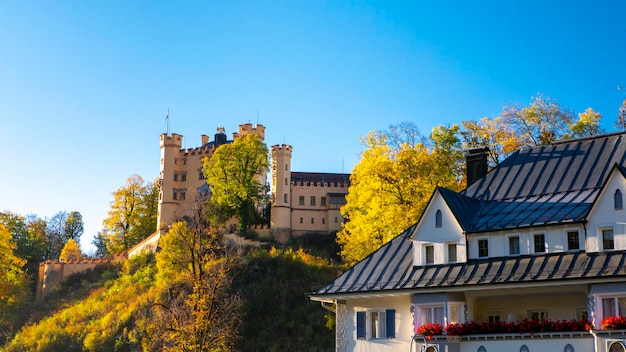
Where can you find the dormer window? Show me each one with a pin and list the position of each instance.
(438, 219)
(429, 254)
(617, 199)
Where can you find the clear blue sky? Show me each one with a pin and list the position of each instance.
(85, 85)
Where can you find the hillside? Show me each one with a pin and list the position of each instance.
(113, 309)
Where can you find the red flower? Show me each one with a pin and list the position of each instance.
(430, 329)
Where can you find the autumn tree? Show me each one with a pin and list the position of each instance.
(495, 134)
(621, 117)
(71, 251)
(391, 184)
(233, 175)
(13, 281)
(132, 215)
(197, 314)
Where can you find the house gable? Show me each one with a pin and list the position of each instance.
(437, 233)
(608, 215)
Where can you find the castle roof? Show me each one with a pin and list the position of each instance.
(320, 177)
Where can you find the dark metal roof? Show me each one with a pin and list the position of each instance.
(545, 185)
(391, 268)
(320, 177)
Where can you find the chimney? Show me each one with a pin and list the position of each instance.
(205, 139)
(476, 164)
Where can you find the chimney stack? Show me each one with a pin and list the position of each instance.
(476, 164)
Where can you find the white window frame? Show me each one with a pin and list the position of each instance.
(425, 255)
(540, 311)
(507, 244)
(601, 237)
(492, 313)
(600, 306)
(580, 311)
(477, 241)
(431, 308)
(381, 331)
(447, 250)
(545, 242)
(566, 240)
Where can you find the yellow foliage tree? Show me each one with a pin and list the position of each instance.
(71, 251)
(390, 187)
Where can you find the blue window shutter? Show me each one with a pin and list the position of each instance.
(390, 316)
(360, 325)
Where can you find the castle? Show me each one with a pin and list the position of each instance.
(302, 202)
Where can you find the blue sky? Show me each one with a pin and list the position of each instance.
(85, 85)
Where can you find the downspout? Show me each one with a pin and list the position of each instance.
(328, 308)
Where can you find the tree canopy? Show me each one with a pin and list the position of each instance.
(233, 175)
(71, 251)
(132, 215)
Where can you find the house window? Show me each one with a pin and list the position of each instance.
(582, 313)
(608, 242)
(285, 198)
(540, 243)
(617, 199)
(451, 252)
(492, 316)
(301, 220)
(438, 219)
(432, 315)
(483, 248)
(323, 201)
(613, 306)
(183, 176)
(514, 245)
(380, 325)
(537, 314)
(313, 200)
(573, 242)
(429, 254)
(301, 200)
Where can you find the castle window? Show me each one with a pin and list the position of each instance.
(184, 161)
(617, 199)
(323, 201)
(174, 194)
(286, 181)
(183, 176)
(336, 220)
(201, 175)
(175, 161)
(286, 167)
(438, 219)
(285, 198)
(182, 194)
(313, 200)
(176, 176)
(301, 220)
(323, 220)
(301, 200)
(312, 220)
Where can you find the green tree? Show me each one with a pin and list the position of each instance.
(132, 215)
(588, 124)
(391, 185)
(233, 175)
(71, 251)
(198, 314)
(13, 281)
(74, 227)
(55, 235)
(542, 122)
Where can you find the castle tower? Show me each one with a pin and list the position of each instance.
(248, 128)
(281, 192)
(170, 150)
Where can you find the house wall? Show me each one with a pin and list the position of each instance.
(605, 215)
(403, 321)
(427, 233)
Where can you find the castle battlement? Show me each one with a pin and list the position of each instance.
(282, 150)
(175, 140)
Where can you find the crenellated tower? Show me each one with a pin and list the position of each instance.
(281, 191)
(170, 150)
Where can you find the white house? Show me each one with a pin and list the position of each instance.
(532, 249)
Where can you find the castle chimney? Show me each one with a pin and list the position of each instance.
(476, 164)
(205, 139)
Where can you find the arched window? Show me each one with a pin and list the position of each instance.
(617, 199)
(438, 218)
